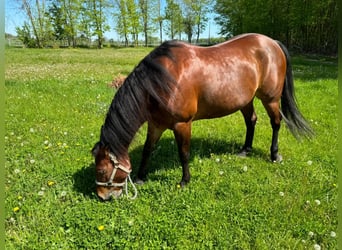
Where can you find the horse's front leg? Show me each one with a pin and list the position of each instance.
(182, 132)
(153, 136)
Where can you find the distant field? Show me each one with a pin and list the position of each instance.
(56, 101)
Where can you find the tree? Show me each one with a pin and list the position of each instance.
(121, 17)
(195, 17)
(24, 35)
(128, 20)
(64, 17)
(94, 11)
(36, 13)
(310, 26)
(173, 15)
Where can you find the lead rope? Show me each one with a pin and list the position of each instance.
(134, 187)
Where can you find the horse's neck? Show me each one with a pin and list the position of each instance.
(121, 126)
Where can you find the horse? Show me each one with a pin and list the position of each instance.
(178, 83)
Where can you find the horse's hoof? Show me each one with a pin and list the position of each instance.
(277, 159)
(182, 184)
(139, 181)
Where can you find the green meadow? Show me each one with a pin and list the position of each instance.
(56, 102)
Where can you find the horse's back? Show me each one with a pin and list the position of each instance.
(221, 79)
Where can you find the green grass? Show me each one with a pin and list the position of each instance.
(56, 101)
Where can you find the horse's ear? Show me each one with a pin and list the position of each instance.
(95, 149)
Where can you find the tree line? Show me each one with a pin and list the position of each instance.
(304, 25)
(70, 20)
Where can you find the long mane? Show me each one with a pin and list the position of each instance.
(149, 82)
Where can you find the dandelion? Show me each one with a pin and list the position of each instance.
(51, 183)
(318, 202)
(178, 186)
(100, 228)
(20, 197)
(16, 209)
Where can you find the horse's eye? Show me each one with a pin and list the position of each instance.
(101, 172)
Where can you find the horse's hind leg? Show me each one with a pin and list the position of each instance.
(250, 121)
(182, 132)
(273, 111)
(153, 136)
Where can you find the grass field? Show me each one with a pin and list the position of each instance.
(56, 101)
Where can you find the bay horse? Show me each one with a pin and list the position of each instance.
(178, 83)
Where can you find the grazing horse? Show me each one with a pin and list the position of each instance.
(178, 83)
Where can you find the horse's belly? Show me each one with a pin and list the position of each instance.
(214, 111)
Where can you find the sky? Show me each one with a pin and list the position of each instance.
(15, 17)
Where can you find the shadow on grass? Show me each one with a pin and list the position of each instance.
(165, 156)
(84, 181)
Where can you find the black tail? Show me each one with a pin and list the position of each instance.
(293, 118)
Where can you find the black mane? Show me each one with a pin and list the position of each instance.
(149, 81)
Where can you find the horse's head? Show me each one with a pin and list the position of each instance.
(111, 173)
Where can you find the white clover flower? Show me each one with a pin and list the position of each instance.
(31, 130)
(332, 234)
(65, 133)
(63, 193)
(217, 160)
(281, 194)
(221, 172)
(318, 202)
(311, 234)
(309, 163)
(41, 193)
(16, 171)
(32, 161)
(317, 247)
(46, 142)
(245, 168)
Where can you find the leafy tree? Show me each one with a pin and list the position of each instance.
(309, 25)
(121, 16)
(36, 13)
(173, 15)
(94, 11)
(24, 35)
(195, 17)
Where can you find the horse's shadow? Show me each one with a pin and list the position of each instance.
(164, 156)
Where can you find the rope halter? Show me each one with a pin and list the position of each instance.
(110, 183)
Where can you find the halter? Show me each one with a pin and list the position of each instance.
(111, 183)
